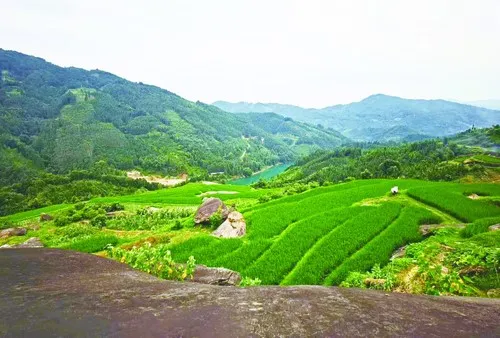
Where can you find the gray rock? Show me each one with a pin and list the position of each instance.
(428, 229)
(45, 217)
(215, 276)
(13, 232)
(76, 294)
(494, 227)
(33, 242)
(401, 252)
(209, 207)
(233, 226)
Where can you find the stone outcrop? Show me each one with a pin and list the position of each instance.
(33, 242)
(50, 292)
(428, 229)
(45, 217)
(233, 226)
(209, 207)
(494, 227)
(13, 232)
(215, 276)
(401, 252)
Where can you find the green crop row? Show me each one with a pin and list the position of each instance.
(295, 241)
(331, 250)
(452, 199)
(245, 255)
(378, 251)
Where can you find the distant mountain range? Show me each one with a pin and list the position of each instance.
(382, 117)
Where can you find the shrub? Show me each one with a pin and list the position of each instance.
(99, 221)
(154, 260)
(61, 220)
(247, 281)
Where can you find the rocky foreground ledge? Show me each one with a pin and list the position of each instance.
(47, 292)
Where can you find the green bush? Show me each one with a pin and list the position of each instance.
(247, 281)
(99, 221)
(155, 260)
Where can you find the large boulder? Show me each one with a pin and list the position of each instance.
(209, 207)
(233, 226)
(13, 232)
(215, 276)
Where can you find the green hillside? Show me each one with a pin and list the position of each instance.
(58, 120)
(383, 118)
(470, 155)
(320, 236)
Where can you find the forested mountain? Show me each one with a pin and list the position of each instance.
(69, 118)
(58, 120)
(383, 118)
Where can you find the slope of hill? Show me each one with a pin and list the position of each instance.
(59, 120)
(383, 118)
(69, 118)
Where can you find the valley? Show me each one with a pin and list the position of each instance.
(94, 163)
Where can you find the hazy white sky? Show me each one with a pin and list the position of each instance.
(312, 53)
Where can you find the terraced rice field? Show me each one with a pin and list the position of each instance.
(316, 237)
(319, 236)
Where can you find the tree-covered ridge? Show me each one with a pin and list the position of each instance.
(65, 128)
(382, 117)
(69, 118)
(469, 154)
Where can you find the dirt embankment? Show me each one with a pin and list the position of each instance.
(166, 181)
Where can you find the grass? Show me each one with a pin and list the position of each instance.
(295, 241)
(34, 214)
(315, 237)
(92, 243)
(402, 231)
(331, 250)
(452, 199)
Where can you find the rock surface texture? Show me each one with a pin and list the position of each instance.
(13, 232)
(215, 276)
(233, 226)
(48, 292)
(209, 207)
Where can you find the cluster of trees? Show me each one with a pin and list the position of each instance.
(39, 189)
(429, 160)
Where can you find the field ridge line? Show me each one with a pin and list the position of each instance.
(274, 240)
(369, 241)
(443, 214)
(378, 233)
(318, 242)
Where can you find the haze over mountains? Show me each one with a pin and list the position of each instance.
(382, 117)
